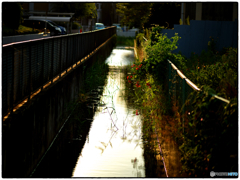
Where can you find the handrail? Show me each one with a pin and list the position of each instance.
(220, 98)
(192, 85)
(30, 66)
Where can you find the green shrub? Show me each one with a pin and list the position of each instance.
(219, 72)
(209, 141)
(76, 25)
(125, 41)
(6, 31)
(158, 52)
(155, 31)
(139, 39)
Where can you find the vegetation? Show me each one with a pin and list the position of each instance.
(95, 76)
(145, 15)
(6, 31)
(218, 70)
(125, 41)
(209, 140)
(134, 14)
(79, 9)
(76, 25)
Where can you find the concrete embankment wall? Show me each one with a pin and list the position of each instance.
(30, 130)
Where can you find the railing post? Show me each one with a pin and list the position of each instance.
(169, 81)
(60, 57)
(66, 62)
(52, 60)
(30, 70)
(12, 87)
(183, 100)
(42, 67)
(175, 86)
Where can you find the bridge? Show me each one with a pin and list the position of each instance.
(39, 78)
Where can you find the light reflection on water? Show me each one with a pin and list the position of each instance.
(114, 146)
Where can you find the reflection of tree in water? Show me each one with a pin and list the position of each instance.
(137, 168)
(128, 121)
(129, 129)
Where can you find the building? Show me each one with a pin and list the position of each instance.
(213, 11)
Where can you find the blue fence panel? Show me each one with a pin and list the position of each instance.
(226, 35)
(235, 34)
(195, 37)
(184, 32)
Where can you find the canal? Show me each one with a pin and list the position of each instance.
(114, 145)
(109, 141)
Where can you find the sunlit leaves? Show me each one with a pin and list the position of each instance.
(80, 9)
(134, 14)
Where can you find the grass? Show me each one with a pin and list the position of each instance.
(125, 41)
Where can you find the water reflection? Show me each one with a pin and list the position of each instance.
(114, 146)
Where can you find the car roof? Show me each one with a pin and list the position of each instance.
(35, 20)
(42, 20)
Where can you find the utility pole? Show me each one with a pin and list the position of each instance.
(183, 13)
(198, 11)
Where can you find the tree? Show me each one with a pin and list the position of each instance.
(143, 15)
(107, 14)
(11, 14)
(165, 14)
(79, 9)
(134, 14)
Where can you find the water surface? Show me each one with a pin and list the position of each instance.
(114, 145)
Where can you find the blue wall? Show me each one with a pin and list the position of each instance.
(195, 37)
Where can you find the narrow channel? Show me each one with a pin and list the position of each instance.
(114, 144)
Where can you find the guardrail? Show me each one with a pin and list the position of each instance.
(29, 66)
(179, 88)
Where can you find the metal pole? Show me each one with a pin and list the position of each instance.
(169, 81)
(183, 13)
(52, 60)
(183, 100)
(30, 88)
(12, 88)
(42, 66)
(60, 58)
(175, 86)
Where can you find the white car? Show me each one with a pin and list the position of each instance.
(119, 29)
(99, 26)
